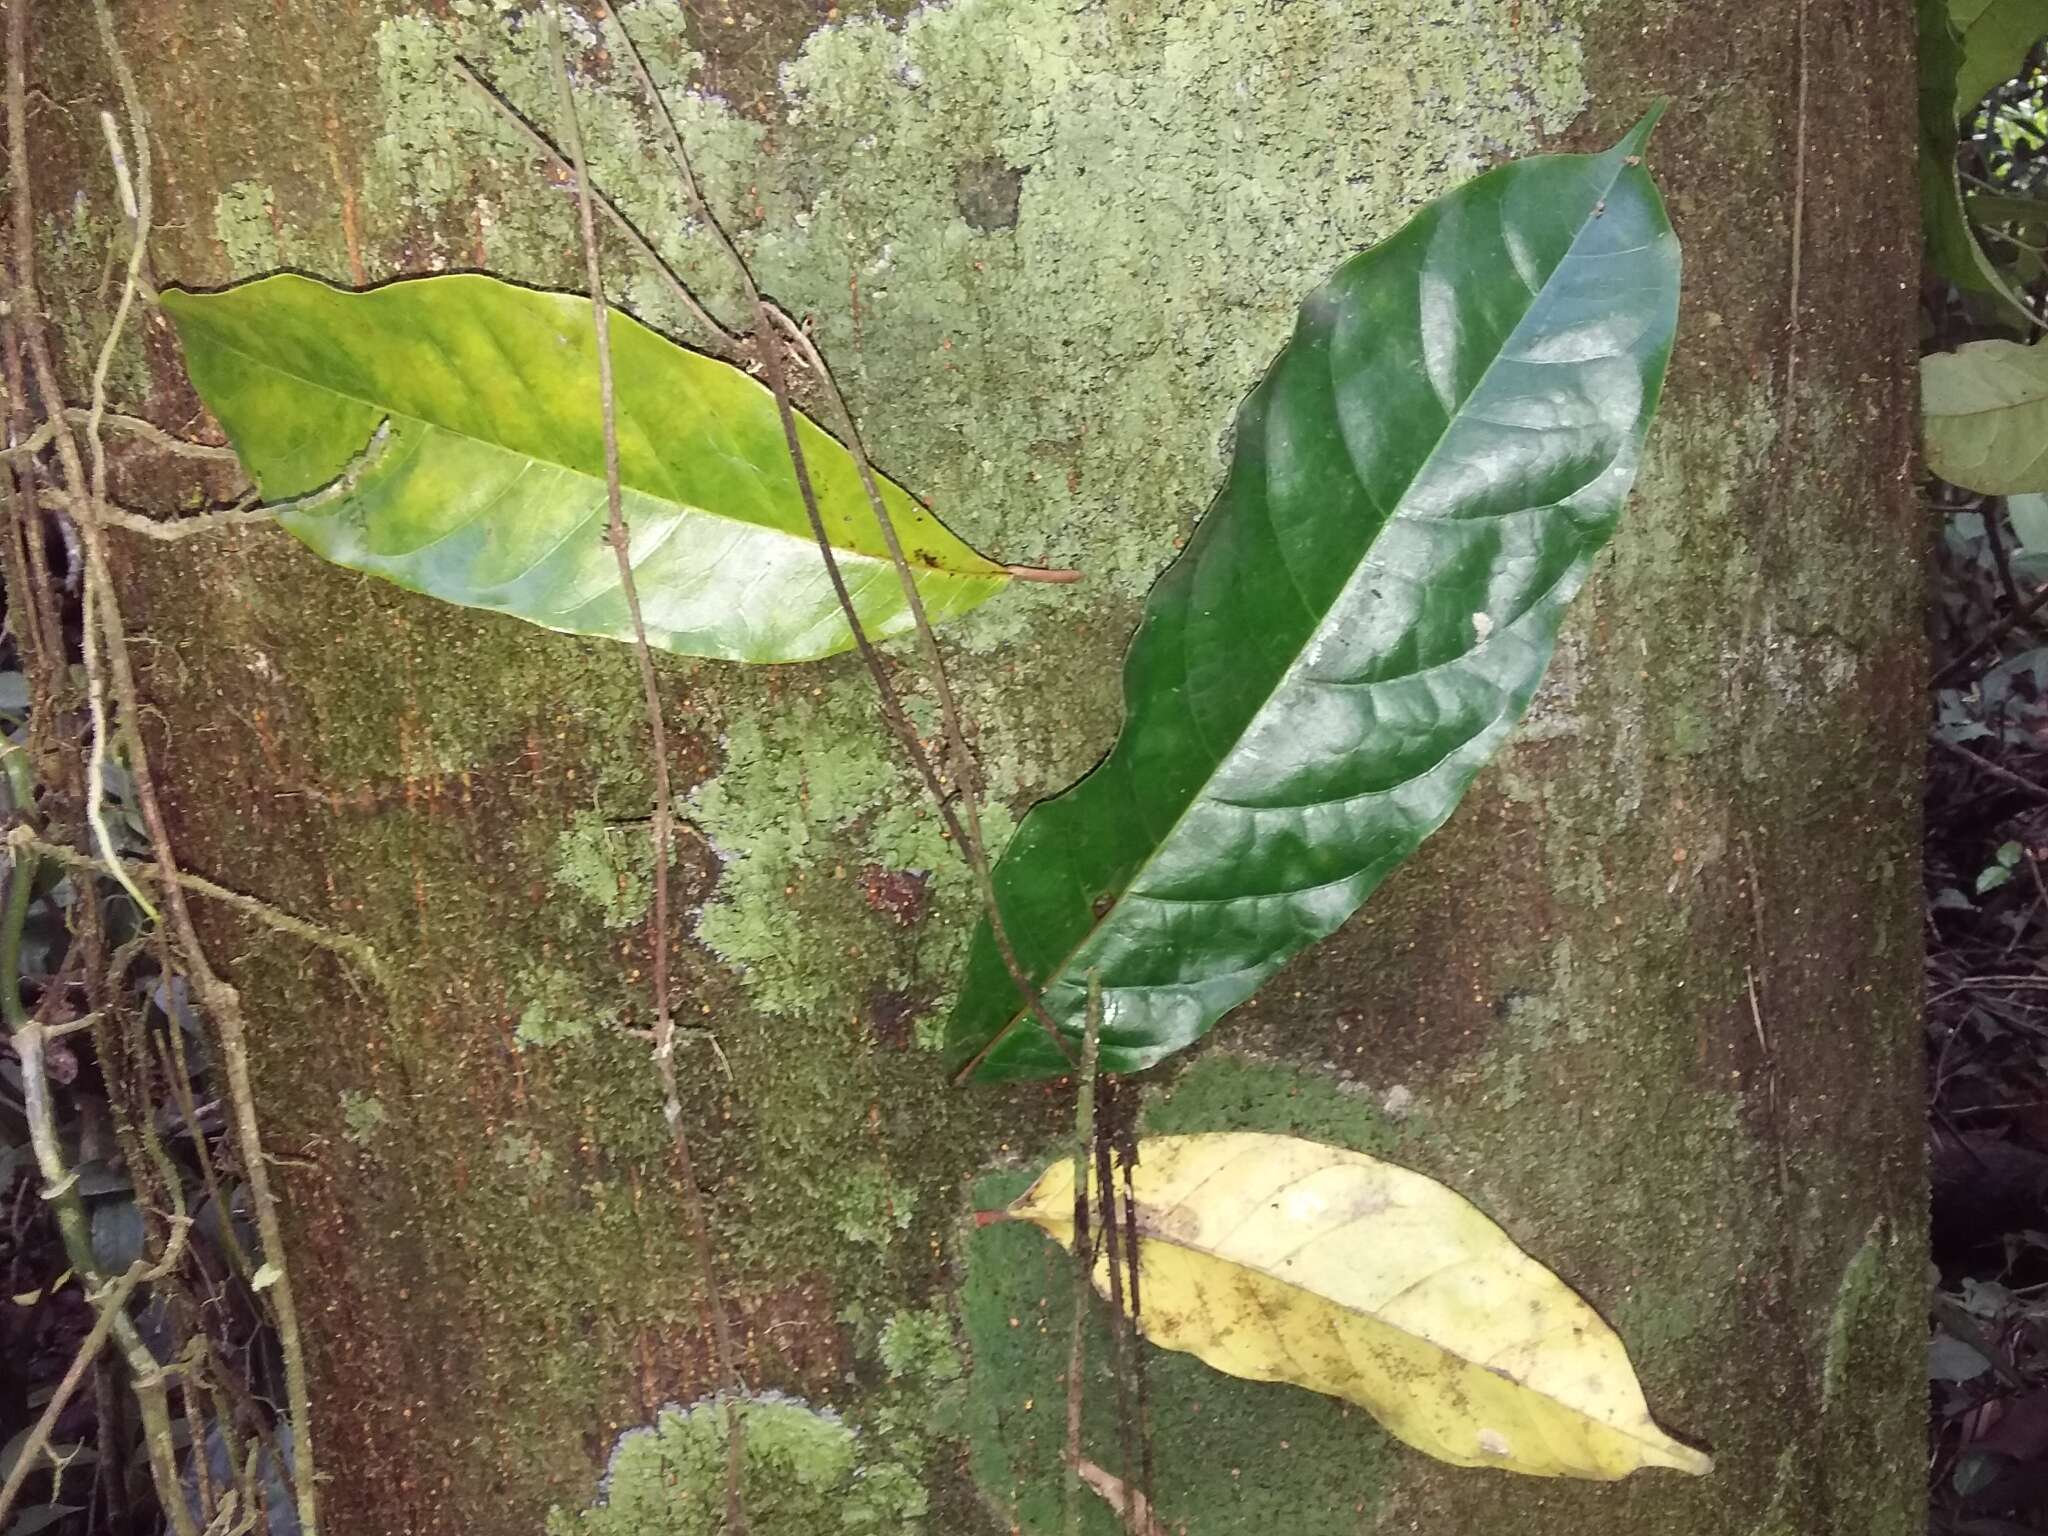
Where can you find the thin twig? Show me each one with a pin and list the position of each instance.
(1119, 1319)
(108, 1303)
(166, 530)
(1985, 766)
(222, 1003)
(1128, 1157)
(60, 1190)
(134, 426)
(1792, 324)
(1084, 1247)
(664, 1018)
(728, 340)
(96, 758)
(358, 952)
(2001, 562)
(1961, 662)
(965, 833)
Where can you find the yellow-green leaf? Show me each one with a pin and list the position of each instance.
(1278, 1259)
(485, 482)
(1984, 407)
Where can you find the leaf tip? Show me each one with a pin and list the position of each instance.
(1633, 142)
(1679, 1457)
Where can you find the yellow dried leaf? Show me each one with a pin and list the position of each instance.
(1278, 1259)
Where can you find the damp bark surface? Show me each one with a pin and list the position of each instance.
(1649, 999)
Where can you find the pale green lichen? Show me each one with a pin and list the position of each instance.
(519, 1152)
(1055, 368)
(82, 256)
(920, 1345)
(874, 1209)
(806, 1473)
(608, 865)
(813, 793)
(556, 1009)
(362, 1116)
(245, 222)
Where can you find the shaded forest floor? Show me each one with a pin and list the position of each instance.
(1986, 835)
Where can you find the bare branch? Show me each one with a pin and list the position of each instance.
(664, 810)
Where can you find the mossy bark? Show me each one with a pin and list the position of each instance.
(1649, 1000)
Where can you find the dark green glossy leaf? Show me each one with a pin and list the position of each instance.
(489, 490)
(1418, 488)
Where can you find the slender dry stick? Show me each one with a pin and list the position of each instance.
(134, 426)
(1084, 1248)
(179, 1071)
(1985, 766)
(1798, 227)
(1113, 1241)
(245, 513)
(357, 952)
(728, 340)
(60, 1189)
(146, 1382)
(220, 1000)
(108, 1304)
(664, 1018)
(1129, 1158)
(96, 751)
(966, 835)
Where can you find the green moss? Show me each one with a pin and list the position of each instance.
(609, 866)
(556, 1008)
(255, 238)
(520, 1152)
(1878, 1320)
(806, 1473)
(873, 1209)
(921, 1346)
(364, 1116)
(1229, 1093)
(1862, 1287)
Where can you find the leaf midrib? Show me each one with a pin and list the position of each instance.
(1053, 976)
(1373, 1319)
(389, 414)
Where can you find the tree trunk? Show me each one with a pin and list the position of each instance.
(1650, 999)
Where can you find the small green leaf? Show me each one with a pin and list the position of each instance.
(267, 1274)
(1984, 408)
(1418, 488)
(490, 490)
(2028, 512)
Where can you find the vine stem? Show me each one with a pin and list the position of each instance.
(60, 1191)
(664, 1018)
(1084, 1249)
(222, 1003)
(964, 827)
